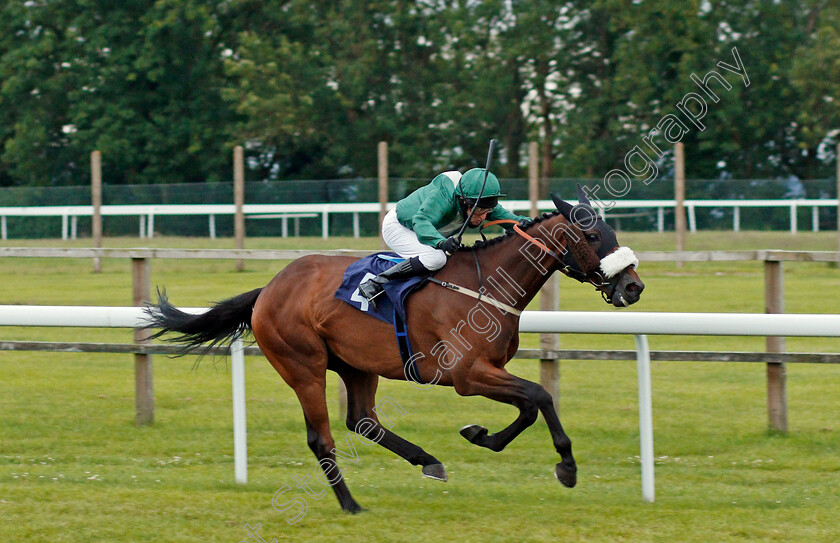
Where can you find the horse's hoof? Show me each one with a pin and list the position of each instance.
(353, 508)
(435, 471)
(566, 477)
(473, 433)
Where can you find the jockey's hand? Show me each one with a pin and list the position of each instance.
(450, 245)
(524, 223)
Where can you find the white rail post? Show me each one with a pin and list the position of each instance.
(793, 218)
(736, 219)
(645, 416)
(240, 438)
(692, 219)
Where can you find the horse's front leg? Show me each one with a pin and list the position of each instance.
(497, 384)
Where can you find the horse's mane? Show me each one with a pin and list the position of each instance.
(480, 244)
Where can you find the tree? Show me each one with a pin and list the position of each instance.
(36, 74)
(138, 80)
(816, 76)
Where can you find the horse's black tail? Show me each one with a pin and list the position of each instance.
(229, 319)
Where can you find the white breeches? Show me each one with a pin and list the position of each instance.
(404, 242)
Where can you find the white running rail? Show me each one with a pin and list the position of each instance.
(639, 324)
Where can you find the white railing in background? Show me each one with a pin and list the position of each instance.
(147, 213)
(637, 324)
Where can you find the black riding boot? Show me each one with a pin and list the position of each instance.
(374, 286)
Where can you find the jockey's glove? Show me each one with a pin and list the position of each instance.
(450, 245)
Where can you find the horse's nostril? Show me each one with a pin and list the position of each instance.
(634, 290)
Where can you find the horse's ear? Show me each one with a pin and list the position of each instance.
(582, 199)
(564, 207)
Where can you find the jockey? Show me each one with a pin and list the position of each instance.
(421, 229)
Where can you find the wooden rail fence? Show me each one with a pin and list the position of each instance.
(775, 358)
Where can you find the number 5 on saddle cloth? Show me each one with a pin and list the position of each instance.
(389, 308)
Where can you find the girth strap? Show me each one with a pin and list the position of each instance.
(406, 353)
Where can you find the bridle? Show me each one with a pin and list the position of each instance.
(606, 286)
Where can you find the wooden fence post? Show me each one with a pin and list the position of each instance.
(533, 176)
(679, 197)
(549, 368)
(342, 399)
(239, 201)
(774, 302)
(144, 397)
(382, 169)
(96, 201)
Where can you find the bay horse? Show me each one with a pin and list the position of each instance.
(303, 330)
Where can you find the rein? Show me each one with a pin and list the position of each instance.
(524, 234)
(564, 268)
(598, 282)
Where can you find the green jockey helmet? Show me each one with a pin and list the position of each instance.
(469, 188)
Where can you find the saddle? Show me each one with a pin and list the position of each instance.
(390, 305)
(392, 301)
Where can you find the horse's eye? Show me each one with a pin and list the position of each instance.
(592, 237)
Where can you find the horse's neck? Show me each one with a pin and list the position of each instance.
(512, 270)
(509, 264)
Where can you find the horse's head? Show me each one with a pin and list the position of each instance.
(615, 272)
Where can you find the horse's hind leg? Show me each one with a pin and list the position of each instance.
(307, 375)
(362, 419)
(300, 357)
(313, 399)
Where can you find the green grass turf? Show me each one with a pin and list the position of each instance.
(73, 467)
